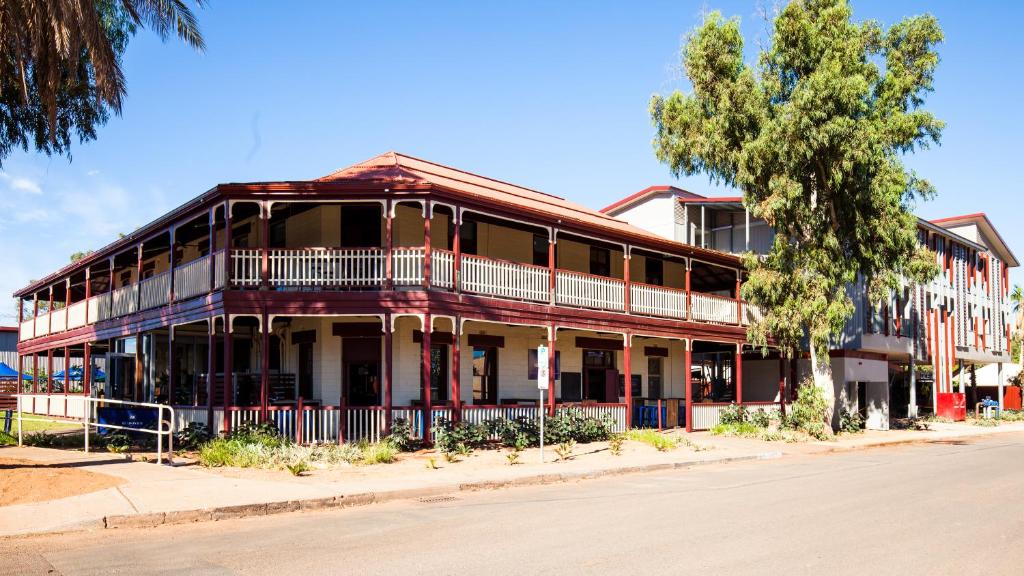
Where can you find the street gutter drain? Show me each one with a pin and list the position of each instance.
(437, 499)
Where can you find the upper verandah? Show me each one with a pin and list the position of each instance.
(404, 177)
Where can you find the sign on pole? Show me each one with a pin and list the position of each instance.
(542, 386)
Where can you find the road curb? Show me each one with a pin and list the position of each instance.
(903, 441)
(154, 519)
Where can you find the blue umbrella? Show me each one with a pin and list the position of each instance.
(7, 373)
(76, 373)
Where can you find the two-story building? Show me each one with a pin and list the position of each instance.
(399, 288)
(960, 318)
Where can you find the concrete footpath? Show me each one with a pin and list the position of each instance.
(153, 495)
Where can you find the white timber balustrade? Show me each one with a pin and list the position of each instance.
(751, 314)
(364, 423)
(327, 267)
(154, 291)
(58, 321)
(711, 308)
(504, 278)
(442, 269)
(657, 301)
(246, 266)
(218, 269)
(192, 279)
(123, 301)
(320, 425)
(27, 329)
(76, 314)
(589, 291)
(407, 266)
(42, 325)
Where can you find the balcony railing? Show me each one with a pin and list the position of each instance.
(76, 314)
(589, 291)
(367, 268)
(154, 291)
(327, 267)
(407, 266)
(192, 279)
(711, 308)
(505, 279)
(657, 301)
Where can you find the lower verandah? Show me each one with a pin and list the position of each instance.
(321, 368)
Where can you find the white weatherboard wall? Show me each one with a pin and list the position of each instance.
(846, 373)
(655, 214)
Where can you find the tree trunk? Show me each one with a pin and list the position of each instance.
(822, 374)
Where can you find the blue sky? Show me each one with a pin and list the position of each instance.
(548, 95)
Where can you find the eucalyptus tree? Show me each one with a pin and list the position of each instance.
(814, 135)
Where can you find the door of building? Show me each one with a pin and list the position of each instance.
(361, 371)
(121, 372)
(485, 375)
(598, 371)
(306, 370)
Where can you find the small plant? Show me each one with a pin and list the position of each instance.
(565, 449)
(299, 468)
(431, 463)
(733, 414)
(450, 457)
(986, 422)
(513, 457)
(809, 411)
(693, 445)
(761, 418)
(615, 444)
(463, 450)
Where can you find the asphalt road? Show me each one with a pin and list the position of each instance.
(949, 508)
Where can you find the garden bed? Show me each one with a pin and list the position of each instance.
(24, 481)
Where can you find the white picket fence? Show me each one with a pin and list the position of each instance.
(246, 267)
(442, 269)
(589, 291)
(505, 279)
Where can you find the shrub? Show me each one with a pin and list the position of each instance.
(761, 418)
(520, 433)
(118, 442)
(299, 468)
(573, 425)
(733, 414)
(400, 437)
(264, 434)
(192, 436)
(809, 412)
(851, 422)
(461, 437)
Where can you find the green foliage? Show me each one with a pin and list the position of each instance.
(743, 429)
(192, 436)
(733, 414)
(519, 433)
(263, 433)
(380, 453)
(260, 446)
(401, 436)
(810, 412)
(814, 135)
(851, 422)
(118, 442)
(573, 425)
(7, 439)
(459, 438)
(513, 457)
(658, 440)
(431, 463)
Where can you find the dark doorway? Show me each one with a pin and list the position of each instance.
(598, 371)
(361, 371)
(485, 375)
(438, 375)
(306, 370)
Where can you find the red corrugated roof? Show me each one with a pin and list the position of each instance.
(656, 189)
(397, 167)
